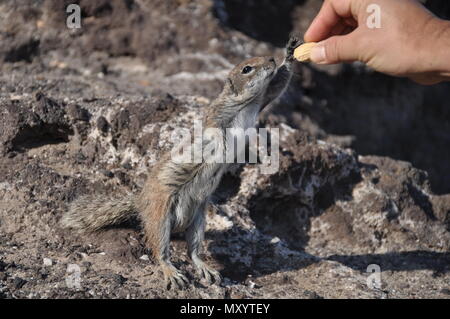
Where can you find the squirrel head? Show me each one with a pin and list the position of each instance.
(250, 78)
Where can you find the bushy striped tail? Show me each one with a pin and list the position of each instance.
(90, 214)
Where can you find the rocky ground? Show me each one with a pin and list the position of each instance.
(364, 169)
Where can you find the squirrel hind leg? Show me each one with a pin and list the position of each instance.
(194, 237)
(160, 246)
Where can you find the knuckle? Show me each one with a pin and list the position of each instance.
(332, 50)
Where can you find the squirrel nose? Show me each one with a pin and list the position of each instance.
(271, 59)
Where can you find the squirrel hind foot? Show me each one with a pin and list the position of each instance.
(174, 279)
(209, 274)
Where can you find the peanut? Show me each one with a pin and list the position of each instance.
(302, 53)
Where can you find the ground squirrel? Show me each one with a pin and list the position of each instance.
(175, 195)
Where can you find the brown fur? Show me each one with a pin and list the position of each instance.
(175, 195)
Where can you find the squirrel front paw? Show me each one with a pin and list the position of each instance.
(292, 44)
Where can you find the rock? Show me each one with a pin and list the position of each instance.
(312, 295)
(23, 50)
(119, 279)
(77, 113)
(445, 291)
(19, 282)
(32, 123)
(47, 262)
(107, 173)
(102, 124)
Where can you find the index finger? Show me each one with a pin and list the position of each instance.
(331, 13)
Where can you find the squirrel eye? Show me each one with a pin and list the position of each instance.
(246, 69)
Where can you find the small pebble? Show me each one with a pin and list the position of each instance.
(275, 240)
(48, 262)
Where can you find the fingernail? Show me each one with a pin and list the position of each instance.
(318, 54)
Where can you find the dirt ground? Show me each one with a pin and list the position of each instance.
(364, 173)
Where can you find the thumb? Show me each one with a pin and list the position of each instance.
(336, 49)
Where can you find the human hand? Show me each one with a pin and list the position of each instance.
(408, 41)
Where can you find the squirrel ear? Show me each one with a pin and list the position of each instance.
(233, 89)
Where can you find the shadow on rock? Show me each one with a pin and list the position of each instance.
(245, 253)
(272, 234)
(375, 115)
(257, 18)
(438, 262)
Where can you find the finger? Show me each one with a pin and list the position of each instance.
(338, 29)
(348, 30)
(322, 24)
(351, 22)
(425, 79)
(330, 14)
